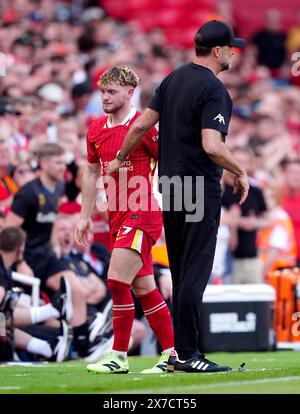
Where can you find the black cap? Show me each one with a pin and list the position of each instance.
(218, 33)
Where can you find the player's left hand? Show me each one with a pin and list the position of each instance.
(83, 232)
(113, 166)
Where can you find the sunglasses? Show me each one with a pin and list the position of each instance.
(23, 170)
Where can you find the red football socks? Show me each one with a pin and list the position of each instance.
(123, 313)
(159, 318)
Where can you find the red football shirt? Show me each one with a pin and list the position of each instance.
(129, 196)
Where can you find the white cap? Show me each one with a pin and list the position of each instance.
(51, 92)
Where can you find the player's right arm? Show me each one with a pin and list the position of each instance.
(91, 174)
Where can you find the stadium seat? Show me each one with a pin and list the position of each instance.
(29, 281)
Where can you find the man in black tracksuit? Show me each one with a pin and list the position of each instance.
(194, 109)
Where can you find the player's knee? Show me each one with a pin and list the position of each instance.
(143, 285)
(139, 291)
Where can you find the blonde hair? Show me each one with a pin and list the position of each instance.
(121, 75)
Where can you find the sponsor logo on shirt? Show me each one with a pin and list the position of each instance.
(220, 118)
(46, 218)
(127, 166)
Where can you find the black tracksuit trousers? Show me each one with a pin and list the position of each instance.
(191, 249)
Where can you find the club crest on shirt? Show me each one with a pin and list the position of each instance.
(83, 266)
(42, 200)
(72, 266)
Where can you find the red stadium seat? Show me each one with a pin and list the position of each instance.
(183, 37)
(169, 18)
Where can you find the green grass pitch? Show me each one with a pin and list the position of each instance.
(265, 372)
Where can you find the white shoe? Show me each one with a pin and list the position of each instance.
(62, 348)
(102, 322)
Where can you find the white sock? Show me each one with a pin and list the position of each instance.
(43, 313)
(168, 351)
(37, 346)
(120, 354)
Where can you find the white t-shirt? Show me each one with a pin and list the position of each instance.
(279, 237)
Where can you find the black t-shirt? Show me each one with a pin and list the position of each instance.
(82, 265)
(271, 48)
(78, 264)
(189, 99)
(72, 190)
(38, 207)
(254, 204)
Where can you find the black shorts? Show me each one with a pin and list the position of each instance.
(46, 333)
(44, 263)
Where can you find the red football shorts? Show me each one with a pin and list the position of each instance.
(141, 240)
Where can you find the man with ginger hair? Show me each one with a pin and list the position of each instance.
(134, 229)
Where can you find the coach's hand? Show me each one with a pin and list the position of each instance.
(114, 166)
(241, 183)
(83, 232)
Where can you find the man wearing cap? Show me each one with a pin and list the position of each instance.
(193, 108)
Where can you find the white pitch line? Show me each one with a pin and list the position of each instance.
(38, 365)
(23, 364)
(173, 389)
(10, 388)
(248, 382)
(170, 374)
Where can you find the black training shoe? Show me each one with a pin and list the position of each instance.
(198, 363)
(62, 300)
